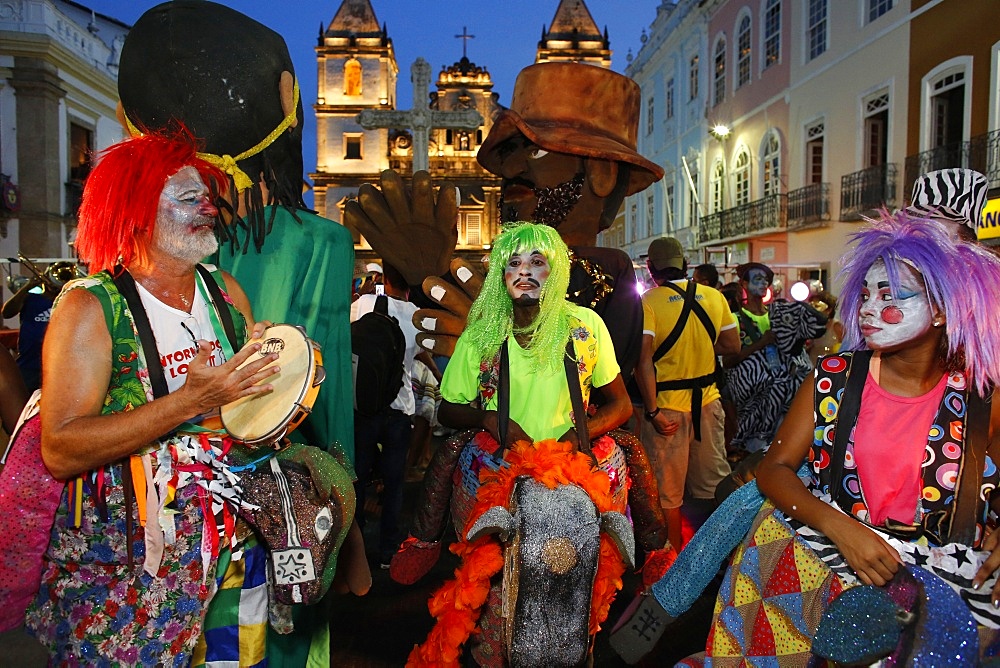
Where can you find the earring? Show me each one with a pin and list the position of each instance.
(937, 323)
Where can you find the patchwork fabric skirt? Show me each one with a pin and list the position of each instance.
(772, 598)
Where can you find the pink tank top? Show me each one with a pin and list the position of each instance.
(889, 443)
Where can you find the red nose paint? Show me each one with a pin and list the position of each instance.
(206, 208)
(892, 315)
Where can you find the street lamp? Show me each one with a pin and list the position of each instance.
(720, 131)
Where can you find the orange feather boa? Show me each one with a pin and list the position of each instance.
(458, 603)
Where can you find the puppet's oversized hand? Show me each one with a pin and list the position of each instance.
(411, 231)
(440, 328)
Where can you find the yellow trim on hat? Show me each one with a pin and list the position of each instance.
(227, 163)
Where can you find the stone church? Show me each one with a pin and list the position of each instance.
(358, 73)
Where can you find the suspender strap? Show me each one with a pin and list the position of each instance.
(576, 397)
(675, 333)
(126, 286)
(696, 385)
(847, 417)
(976, 432)
(220, 307)
(503, 397)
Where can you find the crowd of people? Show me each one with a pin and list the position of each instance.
(828, 454)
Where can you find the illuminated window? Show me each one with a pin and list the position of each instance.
(771, 165)
(741, 177)
(772, 33)
(352, 77)
(719, 88)
(743, 52)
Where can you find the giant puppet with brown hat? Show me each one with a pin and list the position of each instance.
(566, 153)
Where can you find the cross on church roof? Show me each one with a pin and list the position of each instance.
(465, 37)
(421, 119)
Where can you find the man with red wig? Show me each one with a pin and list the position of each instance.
(149, 341)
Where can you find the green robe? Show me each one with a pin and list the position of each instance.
(302, 276)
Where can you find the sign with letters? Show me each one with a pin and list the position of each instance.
(989, 228)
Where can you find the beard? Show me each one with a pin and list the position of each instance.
(552, 205)
(190, 247)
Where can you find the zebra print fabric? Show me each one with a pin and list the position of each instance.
(954, 563)
(955, 194)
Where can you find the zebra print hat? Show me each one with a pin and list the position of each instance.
(958, 195)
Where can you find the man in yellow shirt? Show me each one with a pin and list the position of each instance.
(685, 327)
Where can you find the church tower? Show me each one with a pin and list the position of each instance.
(574, 37)
(357, 70)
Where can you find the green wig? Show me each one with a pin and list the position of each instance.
(491, 318)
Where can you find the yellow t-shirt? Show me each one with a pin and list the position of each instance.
(539, 401)
(693, 355)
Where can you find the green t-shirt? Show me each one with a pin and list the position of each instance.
(302, 276)
(539, 400)
(763, 322)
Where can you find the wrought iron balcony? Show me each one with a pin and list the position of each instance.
(764, 215)
(808, 206)
(981, 153)
(867, 190)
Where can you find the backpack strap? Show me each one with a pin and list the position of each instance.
(381, 305)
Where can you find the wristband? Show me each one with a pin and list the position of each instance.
(652, 414)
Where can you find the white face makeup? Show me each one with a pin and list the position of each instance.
(525, 274)
(889, 320)
(185, 218)
(757, 282)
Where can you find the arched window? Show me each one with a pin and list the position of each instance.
(771, 164)
(718, 187)
(741, 176)
(743, 52)
(352, 77)
(719, 87)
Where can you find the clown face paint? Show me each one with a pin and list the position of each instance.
(185, 218)
(757, 282)
(889, 320)
(525, 275)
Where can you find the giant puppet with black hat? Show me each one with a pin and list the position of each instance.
(230, 81)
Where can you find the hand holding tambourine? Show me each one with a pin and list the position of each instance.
(265, 419)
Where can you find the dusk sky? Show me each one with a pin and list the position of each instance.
(506, 35)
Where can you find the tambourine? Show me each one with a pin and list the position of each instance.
(262, 419)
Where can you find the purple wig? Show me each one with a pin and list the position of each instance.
(962, 279)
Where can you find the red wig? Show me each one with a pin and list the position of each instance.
(122, 194)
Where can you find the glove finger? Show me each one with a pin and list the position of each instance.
(394, 191)
(437, 344)
(438, 321)
(468, 277)
(446, 212)
(376, 209)
(422, 203)
(355, 217)
(447, 295)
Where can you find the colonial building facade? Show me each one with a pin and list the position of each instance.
(58, 92)
(358, 71)
(815, 114)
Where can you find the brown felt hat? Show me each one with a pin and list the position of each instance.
(578, 109)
